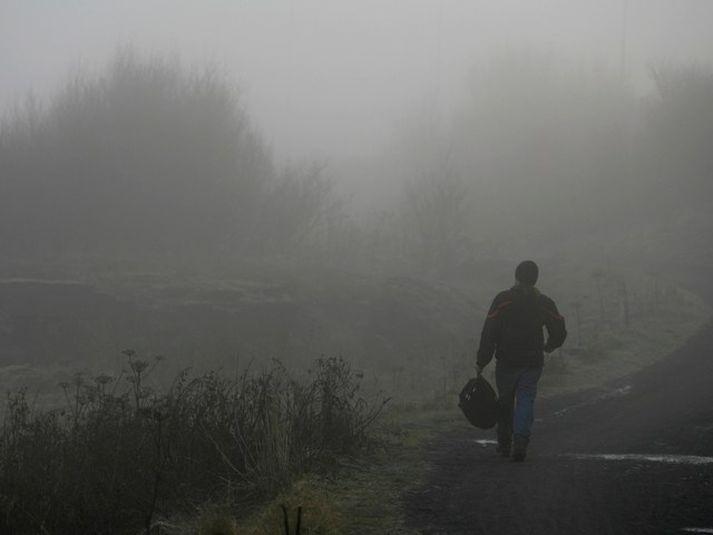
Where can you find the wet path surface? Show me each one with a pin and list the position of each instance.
(636, 457)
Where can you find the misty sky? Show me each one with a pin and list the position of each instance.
(330, 79)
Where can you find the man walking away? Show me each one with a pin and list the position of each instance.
(513, 333)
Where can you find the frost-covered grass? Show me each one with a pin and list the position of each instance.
(638, 320)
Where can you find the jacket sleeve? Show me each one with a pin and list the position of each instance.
(554, 324)
(490, 333)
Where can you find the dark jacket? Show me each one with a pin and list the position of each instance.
(513, 328)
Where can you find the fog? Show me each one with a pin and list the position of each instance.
(235, 231)
(320, 178)
(411, 133)
(332, 80)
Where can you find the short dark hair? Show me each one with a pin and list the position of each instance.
(527, 272)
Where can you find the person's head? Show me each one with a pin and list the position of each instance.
(526, 273)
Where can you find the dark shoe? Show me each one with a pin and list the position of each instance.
(519, 450)
(504, 449)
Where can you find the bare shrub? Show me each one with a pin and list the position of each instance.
(121, 456)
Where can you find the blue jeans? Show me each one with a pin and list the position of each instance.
(517, 388)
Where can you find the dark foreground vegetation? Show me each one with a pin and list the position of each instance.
(121, 457)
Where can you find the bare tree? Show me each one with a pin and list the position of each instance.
(436, 211)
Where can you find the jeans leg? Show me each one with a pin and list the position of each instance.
(506, 381)
(525, 393)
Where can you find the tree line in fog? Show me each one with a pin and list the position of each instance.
(149, 157)
(152, 158)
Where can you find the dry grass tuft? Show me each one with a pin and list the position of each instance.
(320, 514)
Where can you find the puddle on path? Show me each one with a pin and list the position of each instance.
(650, 458)
(485, 442)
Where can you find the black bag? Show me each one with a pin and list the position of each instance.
(479, 403)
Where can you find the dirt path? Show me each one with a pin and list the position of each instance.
(635, 457)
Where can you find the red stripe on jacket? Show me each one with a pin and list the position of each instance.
(497, 310)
